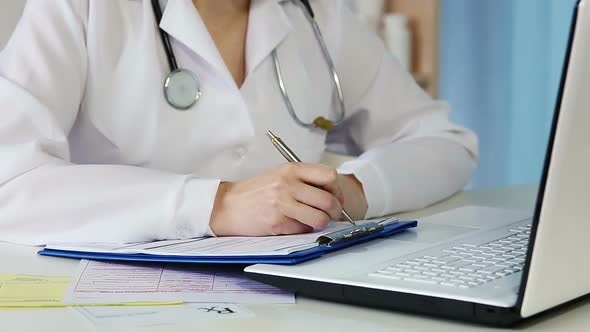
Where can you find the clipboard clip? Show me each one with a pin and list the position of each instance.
(350, 233)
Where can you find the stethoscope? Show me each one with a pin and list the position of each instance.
(182, 88)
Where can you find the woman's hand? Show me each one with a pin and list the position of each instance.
(355, 201)
(290, 199)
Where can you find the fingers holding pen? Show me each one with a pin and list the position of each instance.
(321, 176)
(316, 175)
(286, 226)
(313, 189)
(292, 198)
(318, 199)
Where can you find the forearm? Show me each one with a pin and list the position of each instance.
(103, 203)
(411, 174)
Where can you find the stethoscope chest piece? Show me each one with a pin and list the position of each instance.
(182, 89)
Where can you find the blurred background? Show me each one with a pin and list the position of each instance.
(498, 62)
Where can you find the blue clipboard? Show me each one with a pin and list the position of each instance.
(326, 243)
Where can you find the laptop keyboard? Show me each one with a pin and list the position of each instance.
(467, 265)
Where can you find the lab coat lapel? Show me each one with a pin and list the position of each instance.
(268, 26)
(182, 21)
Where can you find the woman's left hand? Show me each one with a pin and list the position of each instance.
(355, 201)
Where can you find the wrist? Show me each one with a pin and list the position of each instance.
(215, 221)
(355, 200)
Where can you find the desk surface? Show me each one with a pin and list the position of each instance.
(307, 314)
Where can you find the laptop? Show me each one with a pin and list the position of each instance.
(495, 268)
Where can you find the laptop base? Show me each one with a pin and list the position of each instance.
(386, 299)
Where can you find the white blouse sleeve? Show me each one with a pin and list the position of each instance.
(43, 196)
(411, 155)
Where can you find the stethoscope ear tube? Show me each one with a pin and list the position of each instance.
(164, 36)
(308, 8)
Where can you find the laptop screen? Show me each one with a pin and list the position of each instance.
(552, 275)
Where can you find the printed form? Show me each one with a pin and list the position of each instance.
(211, 246)
(99, 282)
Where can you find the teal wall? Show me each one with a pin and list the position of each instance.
(500, 65)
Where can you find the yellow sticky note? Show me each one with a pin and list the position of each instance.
(18, 291)
(32, 291)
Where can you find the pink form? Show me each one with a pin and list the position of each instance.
(104, 282)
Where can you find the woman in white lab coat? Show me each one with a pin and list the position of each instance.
(90, 149)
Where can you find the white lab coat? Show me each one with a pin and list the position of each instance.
(91, 151)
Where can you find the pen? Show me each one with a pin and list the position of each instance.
(292, 157)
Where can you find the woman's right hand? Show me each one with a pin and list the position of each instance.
(290, 199)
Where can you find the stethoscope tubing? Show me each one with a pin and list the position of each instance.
(309, 15)
(164, 36)
(319, 122)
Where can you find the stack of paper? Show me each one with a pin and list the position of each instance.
(289, 249)
(209, 246)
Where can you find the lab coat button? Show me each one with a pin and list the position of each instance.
(240, 152)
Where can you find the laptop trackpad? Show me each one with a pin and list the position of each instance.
(432, 233)
(460, 221)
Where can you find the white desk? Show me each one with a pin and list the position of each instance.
(307, 314)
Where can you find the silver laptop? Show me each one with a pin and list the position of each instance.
(495, 268)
